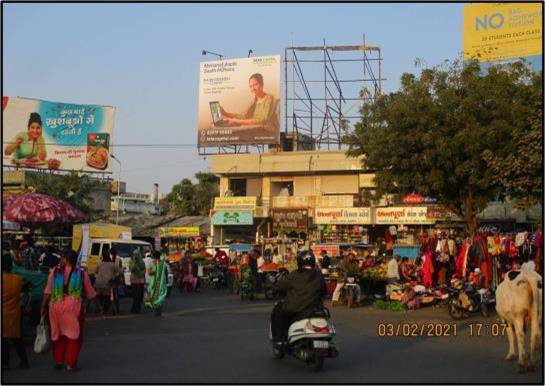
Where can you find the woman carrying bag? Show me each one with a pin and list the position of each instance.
(66, 286)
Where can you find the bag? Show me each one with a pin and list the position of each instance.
(41, 344)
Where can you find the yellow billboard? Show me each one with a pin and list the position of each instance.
(179, 232)
(237, 202)
(500, 31)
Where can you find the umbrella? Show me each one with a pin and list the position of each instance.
(40, 208)
(7, 201)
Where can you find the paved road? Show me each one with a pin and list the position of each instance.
(214, 337)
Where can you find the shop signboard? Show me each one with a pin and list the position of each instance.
(178, 231)
(413, 199)
(229, 91)
(40, 134)
(339, 216)
(290, 219)
(235, 202)
(336, 201)
(231, 217)
(402, 215)
(499, 32)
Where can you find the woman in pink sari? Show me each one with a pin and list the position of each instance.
(66, 286)
(189, 274)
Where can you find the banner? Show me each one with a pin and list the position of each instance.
(290, 219)
(342, 216)
(333, 250)
(336, 201)
(500, 31)
(53, 135)
(235, 202)
(239, 101)
(442, 213)
(402, 215)
(178, 231)
(232, 217)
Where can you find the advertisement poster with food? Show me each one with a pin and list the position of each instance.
(239, 101)
(56, 135)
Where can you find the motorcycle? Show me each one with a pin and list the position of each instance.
(271, 278)
(310, 339)
(464, 299)
(217, 277)
(348, 292)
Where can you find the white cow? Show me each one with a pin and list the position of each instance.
(518, 303)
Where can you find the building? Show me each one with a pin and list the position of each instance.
(135, 202)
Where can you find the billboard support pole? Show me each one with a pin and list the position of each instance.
(118, 189)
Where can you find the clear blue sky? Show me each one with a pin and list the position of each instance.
(144, 60)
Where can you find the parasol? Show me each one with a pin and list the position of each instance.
(40, 208)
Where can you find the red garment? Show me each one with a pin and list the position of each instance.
(427, 279)
(461, 260)
(222, 258)
(69, 349)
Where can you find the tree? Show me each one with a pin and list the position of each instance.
(432, 135)
(181, 199)
(520, 172)
(205, 190)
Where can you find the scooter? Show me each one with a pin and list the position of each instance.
(217, 277)
(310, 339)
(348, 292)
(465, 299)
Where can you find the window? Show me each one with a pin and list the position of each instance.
(95, 249)
(127, 250)
(105, 250)
(238, 186)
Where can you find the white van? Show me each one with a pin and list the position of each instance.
(124, 250)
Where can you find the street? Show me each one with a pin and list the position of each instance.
(214, 337)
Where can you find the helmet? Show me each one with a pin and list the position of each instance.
(306, 258)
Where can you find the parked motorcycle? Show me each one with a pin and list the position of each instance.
(464, 299)
(217, 276)
(310, 339)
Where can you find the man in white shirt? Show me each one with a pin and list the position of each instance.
(393, 270)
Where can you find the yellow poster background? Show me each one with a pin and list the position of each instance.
(498, 31)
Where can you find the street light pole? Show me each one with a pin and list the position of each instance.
(118, 187)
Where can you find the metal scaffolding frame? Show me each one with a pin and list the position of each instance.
(325, 106)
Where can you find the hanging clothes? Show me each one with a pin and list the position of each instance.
(428, 270)
(461, 260)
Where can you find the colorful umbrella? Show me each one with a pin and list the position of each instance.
(7, 201)
(40, 208)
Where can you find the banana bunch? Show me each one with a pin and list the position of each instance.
(378, 272)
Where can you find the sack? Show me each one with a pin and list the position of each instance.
(41, 344)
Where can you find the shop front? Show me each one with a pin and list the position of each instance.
(401, 226)
(233, 225)
(342, 225)
(176, 240)
(289, 230)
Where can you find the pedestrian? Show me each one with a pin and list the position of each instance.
(138, 280)
(118, 279)
(104, 281)
(325, 262)
(189, 273)
(147, 261)
(277, 258)
(11, 314)
(157, 288)
(393, 270)
(66, 286)
(35, 282)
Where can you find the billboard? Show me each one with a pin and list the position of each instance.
(238, 202)
(179, 232)
(501, 32)
(239, 101)
(53, 135)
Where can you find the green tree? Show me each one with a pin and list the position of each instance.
(520, 171)
(181, 200)
(72, 188)
(206, 189)
(432, 135)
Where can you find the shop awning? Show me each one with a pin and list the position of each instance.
(240, 247)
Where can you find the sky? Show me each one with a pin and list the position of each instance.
(144, 60)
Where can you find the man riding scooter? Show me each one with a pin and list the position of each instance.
(304, 290)
(349, 267)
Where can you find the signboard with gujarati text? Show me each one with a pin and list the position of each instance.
(235, 202)
(178, 231)
(402, 215)
(342, 216)
(290, 219)
(336, 201)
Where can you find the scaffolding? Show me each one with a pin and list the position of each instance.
(325, 87)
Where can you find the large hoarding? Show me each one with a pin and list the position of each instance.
(54, 135)
(239, 102)
(502, 32)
